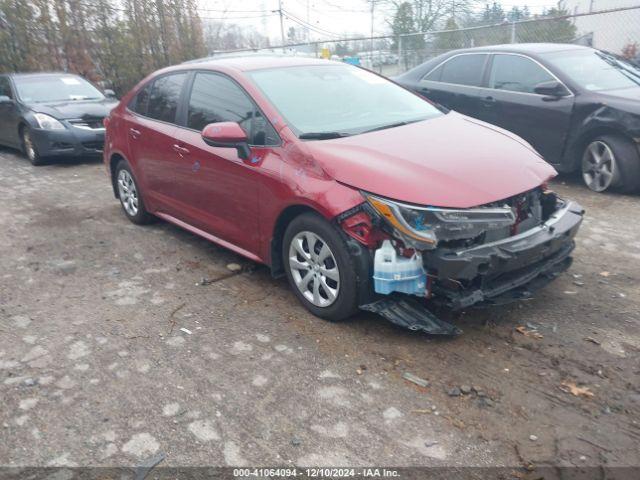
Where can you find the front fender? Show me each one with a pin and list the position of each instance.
(602, 120)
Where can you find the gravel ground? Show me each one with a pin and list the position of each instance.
(113, 349)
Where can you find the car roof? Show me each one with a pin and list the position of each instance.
(527, 48)
(39, 74)
(257, 62)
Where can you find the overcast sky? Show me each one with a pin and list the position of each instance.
(329, 18)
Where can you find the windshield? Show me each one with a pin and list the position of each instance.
(595, 70)
(344, 100)
(55, 88)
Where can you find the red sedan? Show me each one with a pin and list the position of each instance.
(364, 194)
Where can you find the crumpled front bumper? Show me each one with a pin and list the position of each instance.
(508, 268)
(71, 141)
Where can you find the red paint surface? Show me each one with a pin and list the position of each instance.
(450, 161)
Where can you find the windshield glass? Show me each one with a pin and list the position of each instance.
(595, 70)
(339, 98)
(55, 88)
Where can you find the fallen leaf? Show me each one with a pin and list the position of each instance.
(422, 410)
(592, 340)
(573, 389)
(604, 274)
(528, 333)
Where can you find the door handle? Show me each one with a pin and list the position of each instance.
(426, 91)
(489, 101)
(134, 133)
(180, 150)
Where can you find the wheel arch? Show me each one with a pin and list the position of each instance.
(22, 124)
(115, 158)
(361, 256)
(588, 136)
(277, 237)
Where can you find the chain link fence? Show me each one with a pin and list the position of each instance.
(614, 30)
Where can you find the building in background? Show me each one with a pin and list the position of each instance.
(607, 31)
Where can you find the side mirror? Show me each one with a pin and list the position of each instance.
(109, 93)
(551, 89)
(5, 99)
(227, 135)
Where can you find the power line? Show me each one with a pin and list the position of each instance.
(303, 23)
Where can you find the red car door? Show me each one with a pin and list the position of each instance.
(223, 188)
(153, 145)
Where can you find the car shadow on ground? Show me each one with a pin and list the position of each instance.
(55, 161)
(574, 180)
(361, 324)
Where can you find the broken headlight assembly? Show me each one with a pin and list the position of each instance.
(424, 227)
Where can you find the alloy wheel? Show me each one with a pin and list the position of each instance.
(29, 148)
(314, 269)
(599, 166)
(128, 192)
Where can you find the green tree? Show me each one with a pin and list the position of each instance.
(451, 38)
(403, 24)
(550, 27)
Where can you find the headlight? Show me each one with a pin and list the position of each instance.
(47, 122)
(423, 227)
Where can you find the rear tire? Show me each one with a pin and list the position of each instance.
(29, 148)
(130, 195)
(319, 267)
(611, 162)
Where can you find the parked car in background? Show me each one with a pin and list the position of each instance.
(52, 114)
(352, 186)
(579, 107)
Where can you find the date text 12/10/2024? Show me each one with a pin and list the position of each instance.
(316, 472)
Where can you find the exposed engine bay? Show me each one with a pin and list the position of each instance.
(487, 255)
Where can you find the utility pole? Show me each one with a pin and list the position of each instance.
(372, 18)
(281, 24)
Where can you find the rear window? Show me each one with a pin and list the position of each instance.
(460, 70)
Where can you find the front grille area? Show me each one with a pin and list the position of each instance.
(530, 208)
(97, 145)
(88, 123)
(61, 146)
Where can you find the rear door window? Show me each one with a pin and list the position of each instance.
(164, 97)
(461, 70)
(216, 98)
(517, 74)
(5, 87)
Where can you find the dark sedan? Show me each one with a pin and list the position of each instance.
(52, 114)
(579, 107)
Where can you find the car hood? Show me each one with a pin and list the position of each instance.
(76, 108)
(626, 99)
(448, 161)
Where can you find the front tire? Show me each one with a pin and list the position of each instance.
(29, 147)
(319, 268)
(611, 162)
(129, 195)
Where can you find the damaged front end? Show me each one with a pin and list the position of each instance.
(488, 255)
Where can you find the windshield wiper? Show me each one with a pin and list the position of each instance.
(322, 135)
(392, 125)
(621, 66)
